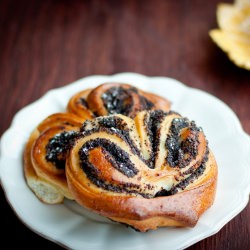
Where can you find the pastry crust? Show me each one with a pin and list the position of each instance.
(109, 173)
(44, 179)
(77, 105)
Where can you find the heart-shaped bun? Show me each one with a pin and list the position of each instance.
(151, 171)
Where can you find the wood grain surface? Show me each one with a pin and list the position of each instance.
(46, 44)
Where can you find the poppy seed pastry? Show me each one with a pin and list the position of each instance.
(45, 154)
(114, 98)
(155, 170)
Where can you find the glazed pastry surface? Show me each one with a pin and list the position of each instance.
(151, 171)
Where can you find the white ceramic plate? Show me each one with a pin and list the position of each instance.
(69, 225)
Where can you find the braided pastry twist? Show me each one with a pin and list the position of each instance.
(151, 171)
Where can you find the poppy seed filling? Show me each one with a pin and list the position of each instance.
(181, 151)
(58, 146)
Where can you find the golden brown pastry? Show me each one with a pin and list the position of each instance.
(114, 98)
(156, 170)
(44, 156)
(78, 105)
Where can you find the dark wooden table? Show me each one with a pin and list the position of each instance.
(47, 44)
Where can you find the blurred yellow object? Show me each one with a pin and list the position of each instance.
(233, 34)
